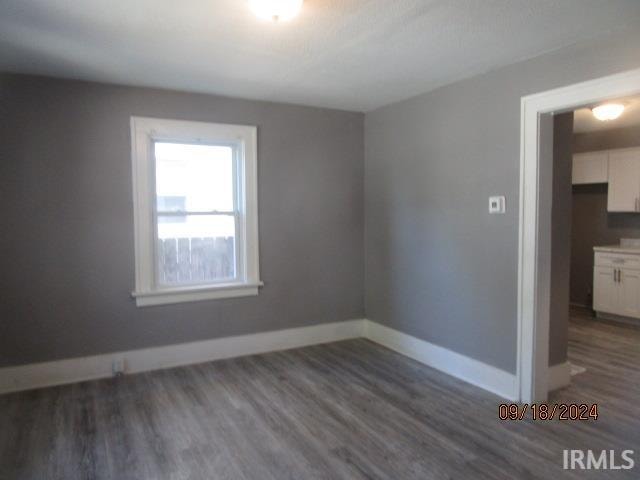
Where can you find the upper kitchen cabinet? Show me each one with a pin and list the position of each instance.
(624, 180)
(591, 167)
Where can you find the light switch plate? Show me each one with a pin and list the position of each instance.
(497, 204)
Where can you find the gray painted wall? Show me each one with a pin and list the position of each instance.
(67, 244)
(591, 223)
(607, 139)
(437, 265)
(560, 238)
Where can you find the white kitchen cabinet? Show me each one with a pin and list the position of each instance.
(629, 293)
(591, 167)
(604, 289)
(616, 282)
(624, 180)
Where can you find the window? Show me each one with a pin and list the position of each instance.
(195, 211)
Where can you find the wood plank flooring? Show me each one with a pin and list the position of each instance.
(346, 410)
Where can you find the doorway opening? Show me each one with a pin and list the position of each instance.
(535, 233)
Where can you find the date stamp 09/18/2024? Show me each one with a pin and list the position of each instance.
(546, 412)
(571, 459)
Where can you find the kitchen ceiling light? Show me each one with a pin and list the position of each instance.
(608, 111)
(275, 10)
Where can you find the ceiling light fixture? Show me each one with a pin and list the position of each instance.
(608, 111)
(275, 10)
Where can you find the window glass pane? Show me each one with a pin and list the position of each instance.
(167, 203)
(172, 203)
(200, 175)
(195, 249)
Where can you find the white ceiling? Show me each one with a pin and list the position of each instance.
(584, 121)
(349, 54)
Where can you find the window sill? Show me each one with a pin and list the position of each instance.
(195, 294)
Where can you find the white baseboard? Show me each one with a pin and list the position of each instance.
(487, 377)
(559, 376)
(26, 377)
(580, 305)
(460, 366)
(611, 317)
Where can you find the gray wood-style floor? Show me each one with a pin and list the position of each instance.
(347, 410)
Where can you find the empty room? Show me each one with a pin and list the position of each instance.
(313, 239)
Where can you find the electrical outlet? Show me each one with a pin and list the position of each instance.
(117, 367)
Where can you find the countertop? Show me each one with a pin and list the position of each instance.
(617, 249)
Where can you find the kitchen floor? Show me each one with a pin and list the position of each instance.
(610, 352)
(345, 410)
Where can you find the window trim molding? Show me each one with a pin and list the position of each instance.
(144, 132)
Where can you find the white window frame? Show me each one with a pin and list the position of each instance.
(144, 133)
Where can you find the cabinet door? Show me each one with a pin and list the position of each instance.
(624, 180)
(629, 293)
(590, 167)
(604, 290)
